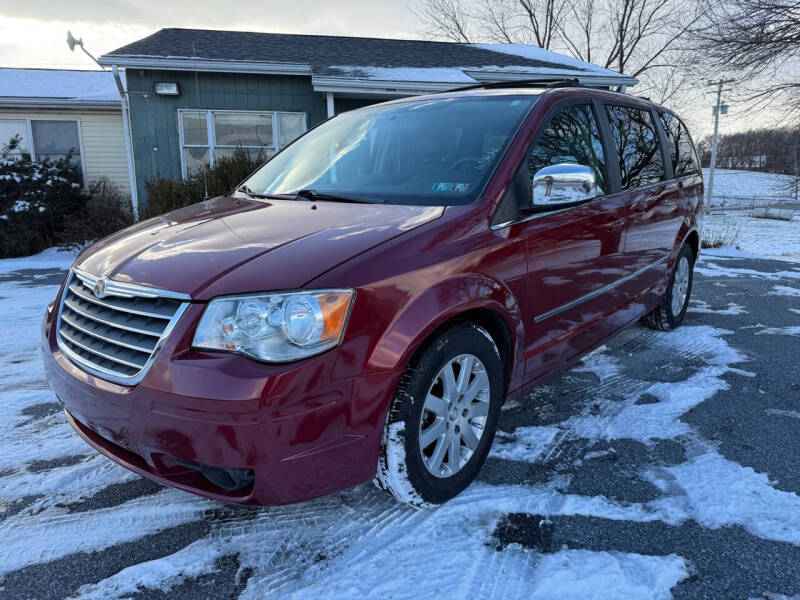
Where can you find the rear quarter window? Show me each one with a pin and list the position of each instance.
(681, 150)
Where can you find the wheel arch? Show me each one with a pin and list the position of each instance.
(472, 298)
(489, 320)
(693, 239)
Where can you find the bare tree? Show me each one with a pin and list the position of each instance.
(756, 40)
(447, 19)
(642, 38)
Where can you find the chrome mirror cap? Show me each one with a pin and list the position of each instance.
(563, 183)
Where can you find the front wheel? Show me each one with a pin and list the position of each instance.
(669, 314)
(443, 418)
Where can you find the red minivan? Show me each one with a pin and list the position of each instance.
(364, 303)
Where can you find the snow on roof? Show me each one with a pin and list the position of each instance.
(434, 63)
(80, 87)
(404, 74)
(535, 53)
(465, 74)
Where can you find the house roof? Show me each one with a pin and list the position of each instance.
(335, 62)
(58, 88)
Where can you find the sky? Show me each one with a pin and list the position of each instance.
(33, 32)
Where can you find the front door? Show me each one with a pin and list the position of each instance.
(574, 253)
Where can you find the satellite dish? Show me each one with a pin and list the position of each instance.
(72, 42)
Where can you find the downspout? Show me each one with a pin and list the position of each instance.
(126, 127)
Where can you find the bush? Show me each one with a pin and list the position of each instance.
(164, 195)
(35, 199)
(104, 211)
(720, 231)
(43, 204)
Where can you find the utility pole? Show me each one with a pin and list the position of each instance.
(717, 109)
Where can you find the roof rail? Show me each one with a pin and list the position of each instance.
(539, 83)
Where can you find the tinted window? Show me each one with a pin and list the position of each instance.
(636, 141)
(437, 151)
(681, 149)
(572, 136)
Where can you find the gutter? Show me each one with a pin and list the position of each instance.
(177, 63)
(64, 103)
(126, 127)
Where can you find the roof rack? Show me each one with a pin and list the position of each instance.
(539, 83)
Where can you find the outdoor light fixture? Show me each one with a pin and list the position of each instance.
(167, 88)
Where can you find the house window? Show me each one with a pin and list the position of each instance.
(207, 135)
(9, 128)
(44, 138)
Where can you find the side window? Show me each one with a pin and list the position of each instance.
(636, 141)
(681, 149)
(572, 136)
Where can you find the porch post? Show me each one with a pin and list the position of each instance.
(330, 104)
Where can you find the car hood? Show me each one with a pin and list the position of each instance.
(233, 245)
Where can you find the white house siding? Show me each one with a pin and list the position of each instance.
(102, 140)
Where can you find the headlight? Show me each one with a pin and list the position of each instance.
(279, 327)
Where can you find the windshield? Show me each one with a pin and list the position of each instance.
(428, 152)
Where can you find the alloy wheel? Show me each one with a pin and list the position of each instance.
(454, 415)
(680, 286)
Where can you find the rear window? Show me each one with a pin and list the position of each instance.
(636, 141)
(681, 150)
(437, 151)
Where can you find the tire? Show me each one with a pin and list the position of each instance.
(669, 314)
(422, 406)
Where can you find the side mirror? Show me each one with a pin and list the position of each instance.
(563, 183)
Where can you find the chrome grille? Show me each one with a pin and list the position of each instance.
(114, 330)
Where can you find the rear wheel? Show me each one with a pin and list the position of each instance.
(443, 418)
(669, 314)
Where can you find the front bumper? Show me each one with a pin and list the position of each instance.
(301, 432)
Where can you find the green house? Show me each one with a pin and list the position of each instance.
(194, 95)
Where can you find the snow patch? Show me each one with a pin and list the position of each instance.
(525, 443)
(785, 290)
(780, 331)
(715, 491)
(699, 306)
(792, 414)
(583, 574)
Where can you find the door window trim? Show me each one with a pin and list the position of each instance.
(593, 106)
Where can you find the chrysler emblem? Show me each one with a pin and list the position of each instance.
(100, 287)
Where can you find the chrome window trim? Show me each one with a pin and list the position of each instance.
(123, 290)
(546, 213)
(597, 292)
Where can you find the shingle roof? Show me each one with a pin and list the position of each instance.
(353, 57)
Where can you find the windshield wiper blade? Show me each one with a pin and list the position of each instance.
(248, 192)
(311, 194)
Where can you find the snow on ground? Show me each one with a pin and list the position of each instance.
(52, 258)
(361, 543)
(753, 184)
(754, 237)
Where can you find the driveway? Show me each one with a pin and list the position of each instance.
(663, 464)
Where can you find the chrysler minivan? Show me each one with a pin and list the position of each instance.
(361, 306)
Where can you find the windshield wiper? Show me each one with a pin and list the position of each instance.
(248, 192)
(310, 194)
